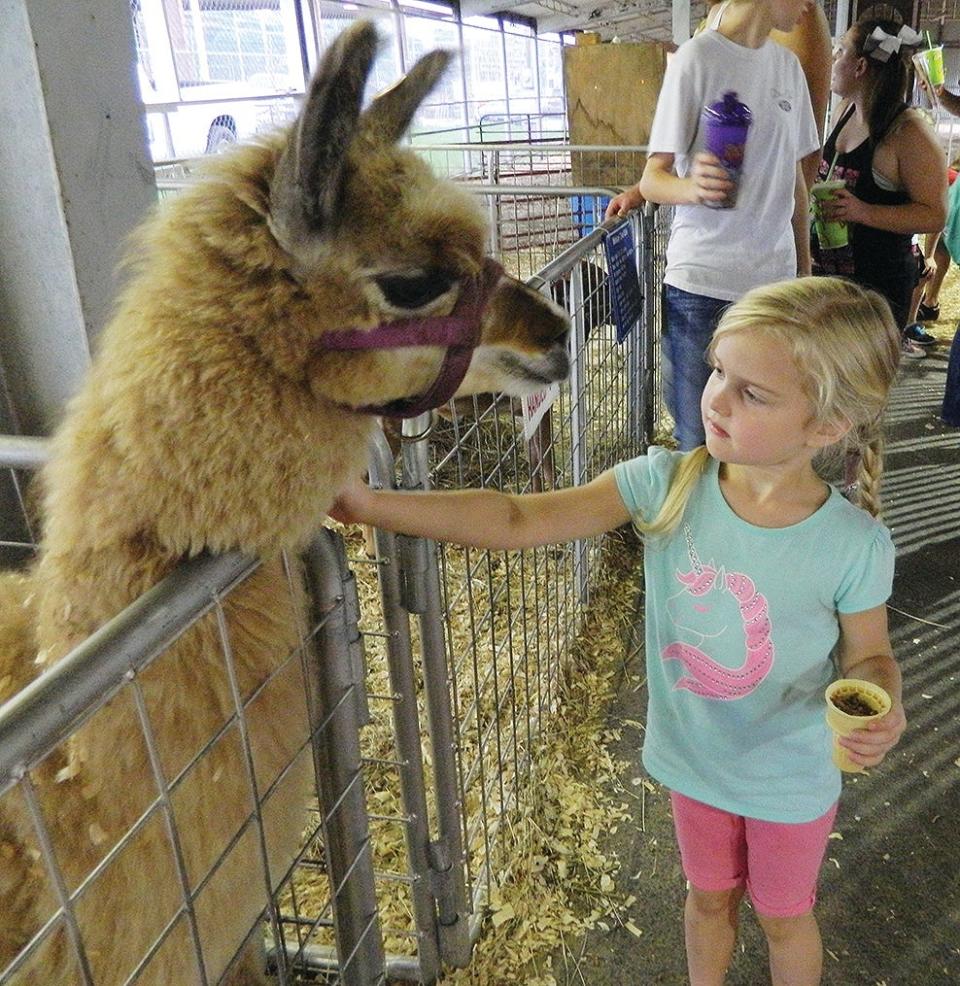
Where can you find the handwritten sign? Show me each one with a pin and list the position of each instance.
(535, 406)
(626, 294)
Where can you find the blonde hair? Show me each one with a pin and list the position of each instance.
(845, 344)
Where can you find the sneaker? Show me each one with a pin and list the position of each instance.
(918, 335)
(928, 313)
(910, 350)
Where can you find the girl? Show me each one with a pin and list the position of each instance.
(717, 255)
(892, 164)
(756, 572)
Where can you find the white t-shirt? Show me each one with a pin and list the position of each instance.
(723, 253)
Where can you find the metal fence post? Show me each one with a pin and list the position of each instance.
(578, 415)
(338, 766)
(447, 851)
(493, 226)
(651, 287)
(406, 722)
(635, 340)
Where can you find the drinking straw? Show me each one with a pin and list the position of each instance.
(832, 165)
(929, 42)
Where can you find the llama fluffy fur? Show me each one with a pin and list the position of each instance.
(211, 420)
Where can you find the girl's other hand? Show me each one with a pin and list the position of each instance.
(709, 179)
(870, 745)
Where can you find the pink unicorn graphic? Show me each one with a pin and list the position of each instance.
(710, 604)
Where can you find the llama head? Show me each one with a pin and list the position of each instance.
(366, 235)
(212, 387)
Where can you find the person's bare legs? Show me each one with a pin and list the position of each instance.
(710, 931)
(924, 289)
(915, 299)
(796, 951)
(931, 290)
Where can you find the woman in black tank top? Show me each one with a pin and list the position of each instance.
(891, 161)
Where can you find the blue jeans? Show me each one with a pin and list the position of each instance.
(951, 395)
(691, 319)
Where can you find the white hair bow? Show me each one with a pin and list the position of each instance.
(881, 46)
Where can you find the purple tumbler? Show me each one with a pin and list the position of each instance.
(725, 125)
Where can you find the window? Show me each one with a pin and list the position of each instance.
(483, 60)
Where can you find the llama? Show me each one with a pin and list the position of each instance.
(233, 394)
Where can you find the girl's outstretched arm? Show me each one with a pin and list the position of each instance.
(865, 652)
(485, 518)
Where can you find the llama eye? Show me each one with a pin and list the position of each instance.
(414, 290)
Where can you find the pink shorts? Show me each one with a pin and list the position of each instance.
(777, 862)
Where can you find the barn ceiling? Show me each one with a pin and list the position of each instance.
(652, 20)
(629, 20)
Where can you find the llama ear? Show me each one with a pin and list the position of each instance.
(386, 119)
(306, 184)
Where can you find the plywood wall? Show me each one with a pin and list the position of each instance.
(611, 94)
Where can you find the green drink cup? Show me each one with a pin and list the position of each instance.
(933, 60)
(831, 234)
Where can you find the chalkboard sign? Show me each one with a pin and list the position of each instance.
(625, 291)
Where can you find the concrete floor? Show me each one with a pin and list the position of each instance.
(889, 904)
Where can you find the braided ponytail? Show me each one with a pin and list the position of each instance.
(869, 438)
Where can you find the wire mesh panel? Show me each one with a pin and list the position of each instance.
(159, 784)
(18, 527)
(535, 193)
(655, 235)
(511, 618)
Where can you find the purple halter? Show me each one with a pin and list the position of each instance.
(459, 332)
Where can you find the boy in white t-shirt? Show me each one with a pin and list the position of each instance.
(716, 255)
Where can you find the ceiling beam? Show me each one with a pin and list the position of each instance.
(483, 8)
(602, 15)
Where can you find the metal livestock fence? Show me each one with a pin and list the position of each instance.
(428, 672)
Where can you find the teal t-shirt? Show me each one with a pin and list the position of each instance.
(740, 624)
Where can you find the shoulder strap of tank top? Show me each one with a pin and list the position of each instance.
(847, 113)
(715, 16)
(830, 143)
